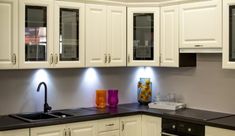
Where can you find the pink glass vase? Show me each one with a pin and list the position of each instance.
(113, 98)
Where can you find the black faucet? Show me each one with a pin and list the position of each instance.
(47, 108)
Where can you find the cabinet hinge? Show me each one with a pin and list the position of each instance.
(13, 58)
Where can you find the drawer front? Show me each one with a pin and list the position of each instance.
(108, 124)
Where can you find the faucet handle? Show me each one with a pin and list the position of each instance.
(47, 108)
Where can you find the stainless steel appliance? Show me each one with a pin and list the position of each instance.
(172, 127)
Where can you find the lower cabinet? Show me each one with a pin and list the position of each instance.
(213, 131)
(109, 133)
(151, 126)
(20, 132)
(73, 129)
(130, 126)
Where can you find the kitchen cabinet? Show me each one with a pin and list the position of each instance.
(143, 36)
(213, 131)
(19, 132)
(201, 24)
(82, 129)
(108, 127)
(73, 129)
(130, 126)
(106, 38)
(169, 56)
(109, 133)
(69, 34)
(36, 33)
(9, 34)
(228, 34)
(151, 126)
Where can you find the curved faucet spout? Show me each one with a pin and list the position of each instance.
(46, 106)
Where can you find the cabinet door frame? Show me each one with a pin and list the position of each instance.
(81, 8)
(209, 42)
(174, 32)
(156, 12)
(60, 129)
(82, 125)
(121, 59)
(226, 63)
(49, 52)
(100, 60)
(125, 120)
(10, 63)
(151, 120)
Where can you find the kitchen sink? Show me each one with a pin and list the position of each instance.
(34, 117)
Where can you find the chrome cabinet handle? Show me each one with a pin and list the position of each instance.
(128, 58)
(51, 59)
(123, 126)
(109, 125)
(13, 58)
(56, 59)
(70, 132)
(198, 45)
(167, 134)
(105, 58)
(65, 132)
(109, 58)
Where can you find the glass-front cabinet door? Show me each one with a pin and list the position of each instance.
(229, 34)
(36, 41)
(143, 37)
(69, 34)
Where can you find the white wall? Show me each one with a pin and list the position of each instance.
(206, 87)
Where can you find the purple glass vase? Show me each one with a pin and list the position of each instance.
(113, 98)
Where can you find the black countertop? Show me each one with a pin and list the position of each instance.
(87, 114)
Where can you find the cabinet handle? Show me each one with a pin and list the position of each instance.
(109, 125)
(51, 58)
(70, 132)
(13, 59)
(128, 58)
(65, 132)
(198, 45)
(56, 59)
(123, 126)
(109, 58)
(105, 58)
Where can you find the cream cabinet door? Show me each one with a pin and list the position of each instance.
(212, 131)
(109, 133)
(69, 34)
(57, 130)
(20, 132)
(96, 35)
(151, 126)
(169, 36)
(130, 126)
(201, 24)
(143, 36)
(36, 33)
(116, 35)
(9, 34)
(82, 129)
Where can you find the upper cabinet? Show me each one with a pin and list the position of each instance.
(69, 34)
(169, 36)
(9, 34)
(105, 35)
(36, 33)
(228, 34)
(201, 24)
(143, 36)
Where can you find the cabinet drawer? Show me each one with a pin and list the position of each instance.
(108, 124)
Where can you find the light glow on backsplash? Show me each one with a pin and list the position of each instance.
(41, 75)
